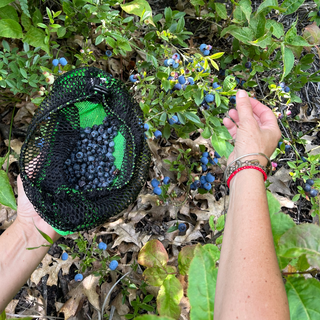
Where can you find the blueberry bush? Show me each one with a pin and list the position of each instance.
(183, 63)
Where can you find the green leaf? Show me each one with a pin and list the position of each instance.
(277, 28)
(206, 133)
(267, 6)
(291, 38)
(220, 223)
(6, 46)
(151, 317)
(223, 133)
(180, 25)
(197, 2)
(9, 11)
(291, 6)
(185, 257)
(202, 282)
(162, 75)
(301, 294)
(288, 60)
(242, 34)
(192, 117)
(153, 254)
(61, 32)
(7, 197)
(3, 3)
(37, 16)
(229, 83)
(198, 97)
(263, 42)
(221, 10)
(273, 203)
(296, 197)
(302, 239)
(26, 22)
(246, 8)
(166, 131)
(35, 37)
(138, 8)
(3, 315)
(168, 14)
(156, 275)
(111, 42)
(169, 297)
(10, 29)
(44, 235)
(257, 25)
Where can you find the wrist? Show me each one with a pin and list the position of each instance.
(247, 176)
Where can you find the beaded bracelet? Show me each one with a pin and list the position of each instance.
(246, 167)
(235, 166)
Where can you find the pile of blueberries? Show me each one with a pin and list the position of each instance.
(156, 183)
(91, 163)
(307, 188)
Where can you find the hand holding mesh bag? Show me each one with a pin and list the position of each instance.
(84, 98)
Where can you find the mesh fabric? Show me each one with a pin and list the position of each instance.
(81, 98)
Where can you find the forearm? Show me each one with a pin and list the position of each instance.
(16, 262)
(249, 284)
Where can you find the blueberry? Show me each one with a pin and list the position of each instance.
(203, 47)
(113, 265)
(210, 178)
(64, 256)
(204, 167)
(68, 162)
(204, 160)
(166, 63)
(193, 186)
(79, 155)
(55, 62)
(182, 80)
(197, 183)
(76, 167)
(215, 85)
(176, 56)
(206, 52)
(307, 187)
(108, 53)
(170, 62)
(304, 159)
(248, 64)
(91, 158)
(242, 82)
(63, 61)
(166, 180)
(313, 193)
(175, 65)
(318, 13)
(209, 98)
(94, 134)
(182, 227)
(205, 154)
(203, 180)
(286, 89)
(78, 277)
(132, 79)
(102, 246)
(207, 186)
(146, 127)
(310, 182)
(282, 84)
(177, 86)
(191, 80)
(287, 148)
(157, 134)
(157, 191)
(232, 99)
(173, 120)
(155, 183)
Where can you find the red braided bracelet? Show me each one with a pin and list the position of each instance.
(246, 167)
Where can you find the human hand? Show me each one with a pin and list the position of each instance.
(255, 128)
(29, 218)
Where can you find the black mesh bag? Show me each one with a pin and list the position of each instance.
(84, 98)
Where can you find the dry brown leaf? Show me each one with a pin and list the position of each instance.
(213, 207)
(11, 307)
(122, 308)
(185, 308)
(15, 145)
(12, 159)
(23, 115)
(52, 271)
(284, 202)
(311, 149)
(280, 181)
(86, 289)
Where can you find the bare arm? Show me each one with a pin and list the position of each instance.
(249, 284)
(16, 262)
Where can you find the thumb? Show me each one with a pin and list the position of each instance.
(243, 106)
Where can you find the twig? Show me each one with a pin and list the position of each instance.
(105, 300)
(32, 316)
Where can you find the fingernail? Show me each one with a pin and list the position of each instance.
(242, 93)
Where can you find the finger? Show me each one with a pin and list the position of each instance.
(234, 115)
(264, 114)
(231, 126)
(244, 107)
